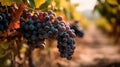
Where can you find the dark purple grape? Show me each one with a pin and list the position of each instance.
(1, 18)
(62, 28)
(40, 36)
(33, 37)
(26, 27)
(55, 31)
(22, 19)
(38, 25)
(59, 18)
(46, 35)
(1, 27)
(55, 22)
(3, 15)
(51, 17)
(69, 57)
(50, 32)
(31, 27)
(30, 21)
(45, 14)
(49, 12)
(47, 18)
(42, 46)
(54, 14)
(49, 23)
(39, 30)
(34, 17)
(64, 39)
(46, 28)
(27, 35)
(22, 24)
(43, 32)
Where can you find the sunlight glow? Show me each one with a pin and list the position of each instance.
(85, 4)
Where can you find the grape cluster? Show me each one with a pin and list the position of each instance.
(37, 27)
(5, 17)
(4, 21)
(78, 31)
(41, 25)
(66, 42)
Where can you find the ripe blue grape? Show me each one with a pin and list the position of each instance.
(78, 31)
(4, 21)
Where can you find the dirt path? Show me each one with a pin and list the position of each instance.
(95, 37)
(94, 50)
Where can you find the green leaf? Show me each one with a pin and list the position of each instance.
(31, 3)
(1, 52)
(17, 1)
(4, 45)
(45, 5)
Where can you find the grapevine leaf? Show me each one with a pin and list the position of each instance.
(31, 3)
(4, 45)
(18, 1)
(1, 52)
(44, 5)
(6, 2)
(39, 3)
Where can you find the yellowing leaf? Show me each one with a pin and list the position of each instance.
(1, 52)
(112, 1)
(53, 3)
(6, 2)
(4, 45)
(23, 50)
(38, 3)
(64, 4)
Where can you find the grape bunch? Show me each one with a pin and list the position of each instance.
(42, 25)
(5, 17)
(66, 42)
(37, 27)
(78, 31)
(4, 21)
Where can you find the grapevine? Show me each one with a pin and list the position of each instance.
(18, 22)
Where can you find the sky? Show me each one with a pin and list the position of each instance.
(85, 4)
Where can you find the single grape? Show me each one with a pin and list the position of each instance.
(1, 27)
(59, 18)
(49, 12)
(31, 27)
(1, 18)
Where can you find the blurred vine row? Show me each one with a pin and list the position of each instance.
(110, 12)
